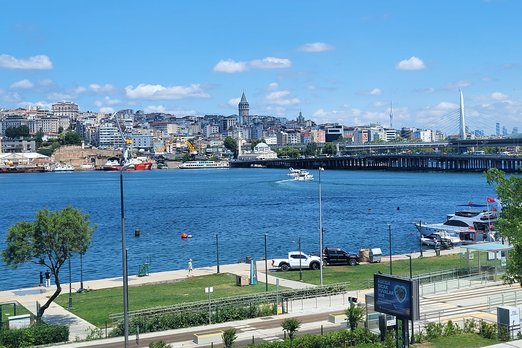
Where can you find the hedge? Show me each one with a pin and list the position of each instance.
(37, 334)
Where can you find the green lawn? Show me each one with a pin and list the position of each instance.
(8, 310)
(96, 306)
(458, 341)
(361, 276)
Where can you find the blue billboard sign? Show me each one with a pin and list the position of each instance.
(396, 296)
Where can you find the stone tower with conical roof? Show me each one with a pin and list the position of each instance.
(244, 110)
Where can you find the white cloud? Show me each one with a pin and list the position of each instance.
(499, 96)
(375, 91)
(22, 84)
(107, 110)
(234, 102)
(271, 63)
(445, 106)
(106, 101)
(273, 86)
(80, 90)
(39, 62)
(38, 104)
(413, 63)
(45, 83)
(281, 98)
(101, 88)
(459, 84)
(316, 47)
(59, 96)
(230, 66)
(155, 92)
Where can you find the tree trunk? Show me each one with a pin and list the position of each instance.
(42, 309)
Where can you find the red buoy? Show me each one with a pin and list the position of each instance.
(184, 235)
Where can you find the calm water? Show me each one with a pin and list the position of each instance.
(240, 205)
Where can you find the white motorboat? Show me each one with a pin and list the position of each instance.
(63, 167)
(304, 175)
(441, 239)
(300, 174)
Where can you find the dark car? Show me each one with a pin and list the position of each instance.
(337, 256)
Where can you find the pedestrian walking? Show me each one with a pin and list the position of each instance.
(189, 268)
(47, 279)
(41, 278)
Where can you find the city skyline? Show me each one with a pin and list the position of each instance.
(343, 63)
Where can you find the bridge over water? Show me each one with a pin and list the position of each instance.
(406, 162)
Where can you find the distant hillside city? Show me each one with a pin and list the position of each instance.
(25, 129)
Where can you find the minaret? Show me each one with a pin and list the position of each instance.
(462, 132)
(243, 110)
(391, 115)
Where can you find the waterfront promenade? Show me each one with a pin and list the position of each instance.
(312, 312)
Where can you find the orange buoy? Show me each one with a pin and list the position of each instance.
(184, 235)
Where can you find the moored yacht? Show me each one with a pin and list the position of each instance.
(474, 223)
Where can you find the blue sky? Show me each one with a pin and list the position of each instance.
(336, 61)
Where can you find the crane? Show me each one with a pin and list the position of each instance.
(192, 149)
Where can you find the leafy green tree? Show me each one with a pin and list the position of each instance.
(229, 336)
(38, 138)
(329, 149)
(159, 344)
(509, 224)
(354, 314)
(16, 132)
(49, 241)
(231, 145)
(71, 138)
(290, 326)
(288, 152)
(310, 149)
(60, 130)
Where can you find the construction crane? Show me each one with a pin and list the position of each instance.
(192, 149)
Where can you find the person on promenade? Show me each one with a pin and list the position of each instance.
(47, 279)
(41, 278)
(189, 268)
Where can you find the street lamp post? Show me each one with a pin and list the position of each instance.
(266, 266)
(390, 237)
(300, 262)
(81, 289)
(320, 228)
(70, 284)
(412, 323)
(123, 248)
(217, 252)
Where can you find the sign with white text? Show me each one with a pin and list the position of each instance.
(396, 296)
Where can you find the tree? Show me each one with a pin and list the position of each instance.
(71, 138)
(290, 326)
(509, 224)
(16, 132)
(49, 241)
(231, 145)
(329, 149)
(310, 149)
(229, 336)
(354, 315)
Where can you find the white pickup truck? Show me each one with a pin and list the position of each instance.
(296, 260)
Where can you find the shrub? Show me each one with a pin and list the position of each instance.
(159, 344)
(470, 326)
(434, 330)
(451, 329)
(487, 330)
(229, 336)
(37, 334)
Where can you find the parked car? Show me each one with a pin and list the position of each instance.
(297, 260)
(337, 256)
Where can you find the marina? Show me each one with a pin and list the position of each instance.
(239, 206)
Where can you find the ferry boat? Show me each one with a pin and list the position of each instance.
(113, 164)
(204, 165)
(300, 174)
